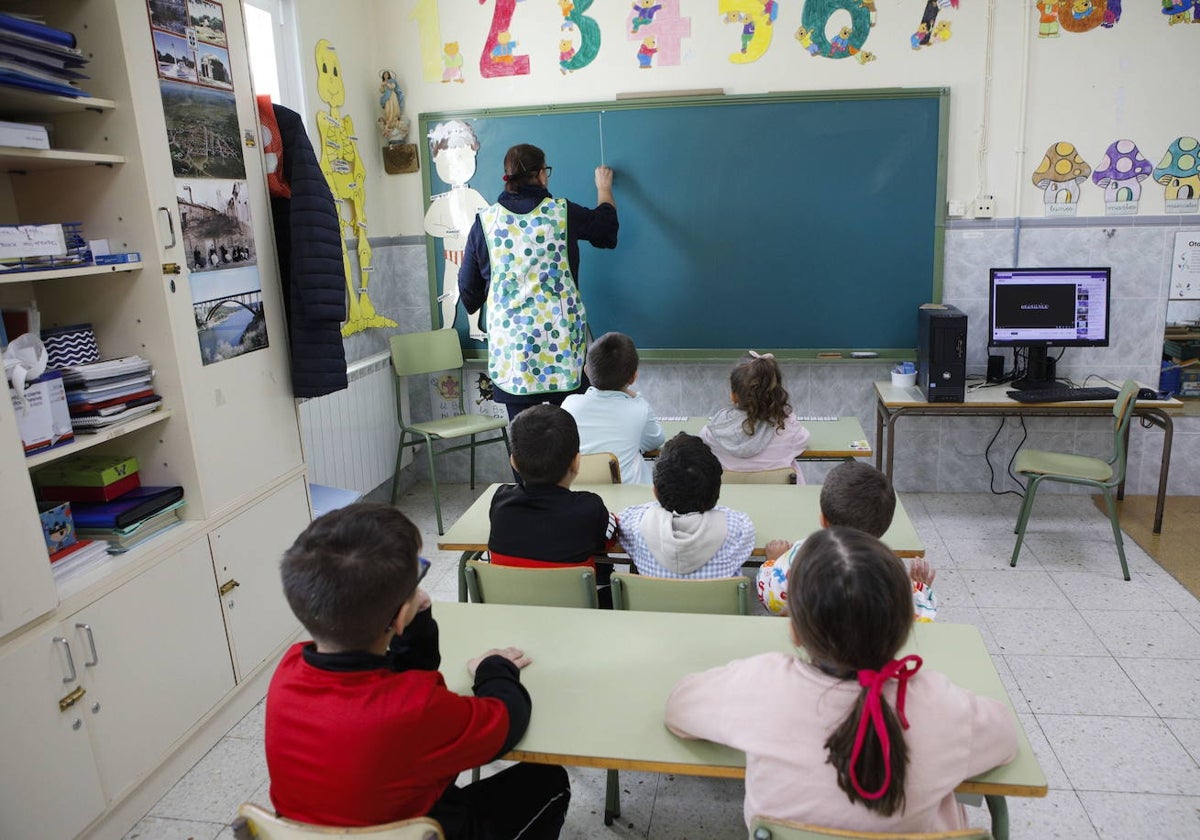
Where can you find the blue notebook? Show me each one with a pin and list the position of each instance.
(125, 510)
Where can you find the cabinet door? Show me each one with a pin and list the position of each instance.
(49, 786)
(161, 662)
(247, 549)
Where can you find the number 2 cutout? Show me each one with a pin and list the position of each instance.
(499, 56)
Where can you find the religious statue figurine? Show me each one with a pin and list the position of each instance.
(393, 125)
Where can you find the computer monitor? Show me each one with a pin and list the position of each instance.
(1038, 308)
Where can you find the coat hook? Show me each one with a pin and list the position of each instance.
(1109, 232)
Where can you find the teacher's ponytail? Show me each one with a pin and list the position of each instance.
(522, 164)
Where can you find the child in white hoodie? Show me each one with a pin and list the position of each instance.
(759, 431)
(685, 534)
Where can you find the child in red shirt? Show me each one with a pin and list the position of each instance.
(360, 726)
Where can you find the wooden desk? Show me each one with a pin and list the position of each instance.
(614, 670)
(778, 511)
(893, 403)
(830, 440)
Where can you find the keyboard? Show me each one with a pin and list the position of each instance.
(1063, 394)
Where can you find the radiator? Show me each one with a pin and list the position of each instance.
(350, 436)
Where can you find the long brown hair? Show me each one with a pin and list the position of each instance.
(522, 163)
(757, 385)
(850, 604)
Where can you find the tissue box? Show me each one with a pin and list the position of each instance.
(43, 420)
(57, 525)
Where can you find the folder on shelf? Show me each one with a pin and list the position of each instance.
(126, 510)
(105, 369)
(123, 539)
(38, 31)
(88, 555)
(111, 391)
(91, 424)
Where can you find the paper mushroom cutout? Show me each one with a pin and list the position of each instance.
(1179, 170)
(1121, 172)
(1059, 172)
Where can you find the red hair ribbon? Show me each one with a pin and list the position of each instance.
(506, 178)
(872, 714)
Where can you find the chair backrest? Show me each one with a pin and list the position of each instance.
(1123, 407)
(569, 586)
(723, 596)
(426, 352)
(260, 824)
(599, 468)
(765, 828)
(780, 475)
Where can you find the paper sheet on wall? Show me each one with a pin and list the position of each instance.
(1185, 266)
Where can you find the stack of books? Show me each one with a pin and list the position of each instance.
(79, 557)
(111, 391)
(34, 56)
(109, 504)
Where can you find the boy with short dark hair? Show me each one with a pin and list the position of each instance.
(854, 495)
(685, 533)
(612, 417)
(540, 518)
(360, 727)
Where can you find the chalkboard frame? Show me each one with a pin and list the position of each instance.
(471, 349)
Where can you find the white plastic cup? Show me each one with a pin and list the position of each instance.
(903, 380)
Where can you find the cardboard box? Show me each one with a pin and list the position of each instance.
(42, 416)
(86, 471)
(57, 525)
(24, 135)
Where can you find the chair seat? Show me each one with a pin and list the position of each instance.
(460, 426)
(1037, 462)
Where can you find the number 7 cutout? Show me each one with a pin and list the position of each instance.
(659, 19)
(756, 20)
(499, 56)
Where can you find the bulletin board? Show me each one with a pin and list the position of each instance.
(794, 222)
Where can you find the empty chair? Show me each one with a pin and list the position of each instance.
(1104, 474)
(765, 828)
(780, 475)
(255, 823)
(723, 596)
(564, 586)
(429, 352)
(599, 468)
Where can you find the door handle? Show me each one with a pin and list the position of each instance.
(91, 643)
(59, 640)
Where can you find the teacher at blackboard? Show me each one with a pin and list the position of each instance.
(522, 258)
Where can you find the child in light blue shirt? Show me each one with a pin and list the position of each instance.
(611, 416)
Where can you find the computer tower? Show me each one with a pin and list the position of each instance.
(942, 353)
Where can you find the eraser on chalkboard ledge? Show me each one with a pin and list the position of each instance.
(828, 354)
(864, 354)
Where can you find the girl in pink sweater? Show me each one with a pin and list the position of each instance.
(849, 737)
(759, 431)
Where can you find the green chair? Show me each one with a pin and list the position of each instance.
(599, 468)
(1104, 474)
(255, 823)
(765, 828)
(779, 475)
(429, 352)
(568, 586)
(723, 596)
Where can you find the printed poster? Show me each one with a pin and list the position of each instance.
(1185, 266)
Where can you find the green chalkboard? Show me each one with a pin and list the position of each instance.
(795, 222)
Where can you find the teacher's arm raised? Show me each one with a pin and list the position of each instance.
(598, 227)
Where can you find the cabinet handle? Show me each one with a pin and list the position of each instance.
(170, 225)
(228, 586)
(91, 643)
(59, 640)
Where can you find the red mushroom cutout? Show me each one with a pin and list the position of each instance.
(1060, 171)
(1179, 172)
(1121, 172)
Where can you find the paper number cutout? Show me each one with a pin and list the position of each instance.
(499, 59)
(589, 36)
(816, 15)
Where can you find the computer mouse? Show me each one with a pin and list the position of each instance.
(1147, 394)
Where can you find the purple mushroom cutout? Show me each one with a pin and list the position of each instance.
(1121, 172)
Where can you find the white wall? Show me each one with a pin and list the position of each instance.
(1136, 80)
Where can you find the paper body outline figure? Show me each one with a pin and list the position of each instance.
(1058, 177)
(346, 174)
(1179, 172)
(451, 214)
(1120, 174)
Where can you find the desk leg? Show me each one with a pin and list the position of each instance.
(612, 796)
(999, 808)
(880, 416)
(462, 573)
(1168, 427)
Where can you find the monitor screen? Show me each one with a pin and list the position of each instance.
(1048, 307)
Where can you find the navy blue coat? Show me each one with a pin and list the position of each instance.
(308, 235)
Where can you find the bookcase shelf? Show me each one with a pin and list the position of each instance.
(16, 160)
(83, 442)
(27, 103)
(72, 271)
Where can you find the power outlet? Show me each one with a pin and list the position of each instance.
(985, 207)
(956, 209)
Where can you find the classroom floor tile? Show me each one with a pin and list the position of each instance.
(1103, 675)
